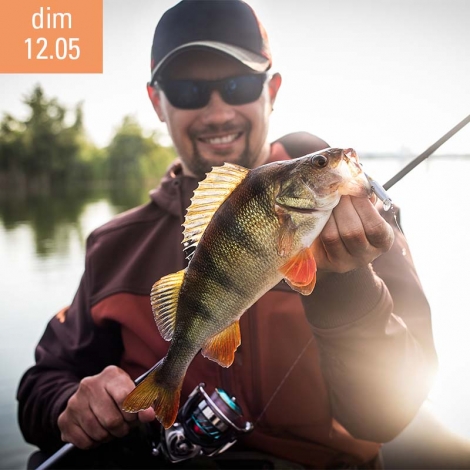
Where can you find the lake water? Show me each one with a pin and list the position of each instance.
(42, 258)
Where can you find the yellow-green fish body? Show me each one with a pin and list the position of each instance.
(249, 229)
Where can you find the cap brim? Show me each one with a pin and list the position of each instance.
(255, 62)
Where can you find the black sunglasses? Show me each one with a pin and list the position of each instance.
(195, 94)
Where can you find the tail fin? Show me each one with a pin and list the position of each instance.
(151, 391)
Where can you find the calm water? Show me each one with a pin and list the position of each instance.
(42, 258)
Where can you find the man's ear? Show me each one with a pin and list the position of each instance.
(274, 85)
(155, 99)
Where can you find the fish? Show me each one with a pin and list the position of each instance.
(245, 230)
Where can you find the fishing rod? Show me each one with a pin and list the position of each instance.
(379, 190)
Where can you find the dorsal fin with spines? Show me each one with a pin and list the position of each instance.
(208, 197)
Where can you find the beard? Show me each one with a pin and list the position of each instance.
(200, 165)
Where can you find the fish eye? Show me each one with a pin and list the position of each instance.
(320, 161)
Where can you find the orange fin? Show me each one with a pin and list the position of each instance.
(300, 272)
(164, 399)
(286, 231)
(221, 347)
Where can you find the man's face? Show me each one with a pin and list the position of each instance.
(218, 132)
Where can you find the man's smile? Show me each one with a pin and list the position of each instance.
(220, 140)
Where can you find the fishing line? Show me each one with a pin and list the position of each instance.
(281, 383)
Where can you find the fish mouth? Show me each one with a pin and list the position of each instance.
(355, 182)
(358, 186)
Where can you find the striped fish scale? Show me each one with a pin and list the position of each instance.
(244, 231)
(237, 260)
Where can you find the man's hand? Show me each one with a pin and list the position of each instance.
(93, 414)
(353, 237)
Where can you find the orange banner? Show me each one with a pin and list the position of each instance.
(51, 36)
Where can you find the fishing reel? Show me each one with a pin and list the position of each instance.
(205, 426)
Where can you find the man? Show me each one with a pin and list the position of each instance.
(325, 378)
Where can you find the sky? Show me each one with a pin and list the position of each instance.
(375, 75)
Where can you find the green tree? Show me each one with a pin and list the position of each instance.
(44, 146)
(50, 149)
(12, 146)
(134, 157)
(51, 146)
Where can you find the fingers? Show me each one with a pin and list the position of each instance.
(79, 425)
(146, 416)
(93, 414)
(373, 198)
(378, 232)
(118, 387)
(109, 416)
(349, 234)
(353, 237)
(118, 394)
(75, 435)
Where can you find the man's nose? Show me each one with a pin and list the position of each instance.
(217, 111)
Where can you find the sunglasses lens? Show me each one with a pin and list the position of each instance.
(195, 94)
(187, 94)
(243, 89)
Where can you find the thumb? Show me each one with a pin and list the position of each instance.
(146, 416)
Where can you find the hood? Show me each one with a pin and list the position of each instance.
(175, 190)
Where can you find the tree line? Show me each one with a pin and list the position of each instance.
(50, 148)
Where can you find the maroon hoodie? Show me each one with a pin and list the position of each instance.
(325, 378)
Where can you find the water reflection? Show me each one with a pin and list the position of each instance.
(54, 217)
(42, 240)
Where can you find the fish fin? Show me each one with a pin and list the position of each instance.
(152, 392)
(221, 347)
(300, 272)
(208, 197)
(286, 231)
(164, 300)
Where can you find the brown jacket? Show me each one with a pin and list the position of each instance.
(353, 359)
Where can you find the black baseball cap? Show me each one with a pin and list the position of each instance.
(227, 26)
